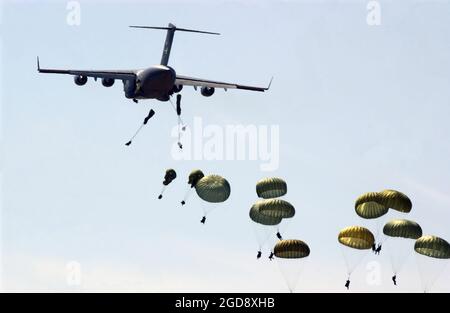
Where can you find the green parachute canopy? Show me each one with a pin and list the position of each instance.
(276, 208)
(396, 200)
(402, 228)
(213, 188)
(356, 237)
(271, 187)
(291, 249)
(433, 247)
(257, 217)
(369, 205)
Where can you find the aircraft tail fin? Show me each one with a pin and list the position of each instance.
(169, 38)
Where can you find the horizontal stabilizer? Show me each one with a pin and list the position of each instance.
(169, 37)
(177, 29)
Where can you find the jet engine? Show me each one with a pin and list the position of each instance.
(80, 80)
(207, 91)
(107, 82)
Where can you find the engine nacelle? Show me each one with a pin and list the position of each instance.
(80, 80)
(107, 82)
(129, 87)
(207, 91)
(177, 88)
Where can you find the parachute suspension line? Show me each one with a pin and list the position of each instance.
(209, 207)
(147, 118)
(260, 246)
(383, 240)
(187, 194)
(135, 134)
(347, 263)
(282, 227)
(181, 124)
(263, 233)
(380, 238)
(352, 262)
(429, 270)
(394, 250)
(395, 270)
(162, 192)
(377, 230)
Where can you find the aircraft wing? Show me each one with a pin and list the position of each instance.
(198, 82)
(115, 74)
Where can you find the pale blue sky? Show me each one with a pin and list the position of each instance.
(359, 108)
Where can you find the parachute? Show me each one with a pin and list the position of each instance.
(264, 225)
(168, 178)
(213, 188)
(356, 237)
(369, 206)
(290, 256)
(396, 200)
(272, 187)
(276, 208)
(402, 228)
(263, 219)
(355, 241)
(193, 179)
(433, 255)
(433, 247)
(375, 205)
(291, 249)
(401, 235)
(270, 211)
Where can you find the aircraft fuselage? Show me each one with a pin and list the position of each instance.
(156, 82)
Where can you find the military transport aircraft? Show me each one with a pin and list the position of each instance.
(156, 82)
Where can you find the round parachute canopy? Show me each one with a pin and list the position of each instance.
(276, 208)
(263, 219)
(396, 200)
(369, 205)
(194, 177)
(271, 187)
(291, 249)
(356, 237)
(433, 247)
(402, 228)
(213, 188)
